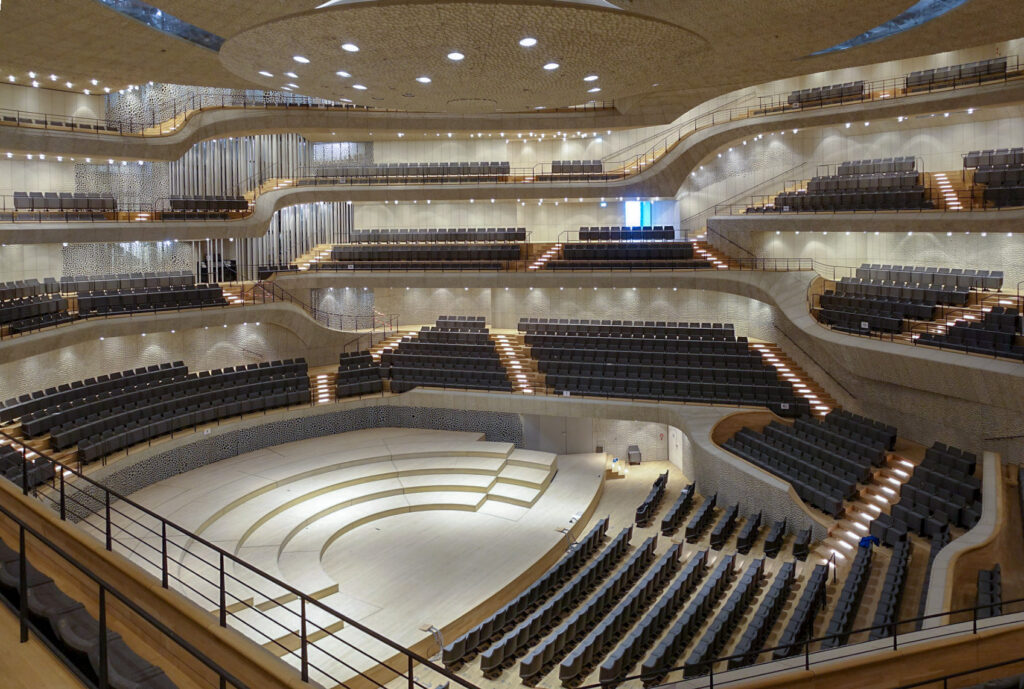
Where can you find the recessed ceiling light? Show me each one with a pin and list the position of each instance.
(528, 42)
(350, 47)
(592, 77)
(594, 90)
(455, 56)
(291, 75)
(551, 65)
(300, 59)
(423, 80)
(343, 74)
(265, 73)
(95, 83)
(294, 86)
(359, 87)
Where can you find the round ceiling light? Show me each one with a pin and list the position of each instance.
(551, 66)
(594, 90)
(265, 73)
(455, 56)
(592, 77)
(300, 59)
(528, 42)
(350, 47)
(343, 74)
(359, 87)
(423, 80)
(291, 75)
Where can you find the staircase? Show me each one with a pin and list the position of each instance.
(805, 386)
(323, 384)
(391, 342)
(949, 191)
(703, 250)
(522, 370)
(233, 294)
(320, 252)
(539, 254)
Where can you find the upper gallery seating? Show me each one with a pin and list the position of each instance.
(433, 257)
(24, 467)
(1002, 171)
(918, 292)
(203, 207)
(16, 117)
(824, 460)
(687, 362)
(627, 234)
(574, 170)
(114, 301)
(943, 490)
(628, 256)
(454, 353)
(27, 288)
(990, 592)
(265, 271)
(994, 335)
(414, 172)
(845, 611)
(879, 184)
(850, 313)
(892, 591)
(971, 72)
(64, 201)
(72, 630)
(439, 235)
(835, 93)
(358, 374)
(20, 309)
(942, 277)
(131, 414)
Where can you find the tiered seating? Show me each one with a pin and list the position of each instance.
(802, 544)
(748, 534)
(994, 157)
(930, 276)
(701, 519)
(592, 649)
(994, 335)
(773, 541)
(990, 592)
(627, 256)
(801, 622)
(23, 466)
(569, 170)
(459, 355)
(880, 184)
(686, 362)
(20, 289)
(582, 621)
(942, 490)
(627, 234)
(686, 627)
(505, 650)
(115, 422)
(72, 630)
(526, 602)
(725, 526)
(970, 72)
(754, 636)
(629, 651)
(674, 518)
(66, 393)
(63, 201)
(888, 608)
(263, 272)
(37, 322)
(722, 627)
(850, 313)
(834, 93)
(645, 512)
(415, 257)
(358, 374)
(103, 302)
(493, 171)
(921, 293)
(849, 600)
(92, 283)
(1002, 173)
(439, 235)
(824, 460)
(26, 308)
(203, 207)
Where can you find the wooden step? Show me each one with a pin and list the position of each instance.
(821, 402)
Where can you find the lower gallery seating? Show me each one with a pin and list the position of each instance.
(116, 411)
(439, 235)
(892, 591)
(358, 374)
(388, 257)
(990, 592)
(627, 234)
(42, 206)
(942, 492)
(454, 353)
(627, 255)
(995, 335)
(685, 362)
(149, 299)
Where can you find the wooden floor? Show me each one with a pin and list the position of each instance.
(30, 665)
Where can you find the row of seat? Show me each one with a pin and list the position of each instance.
(995, 156)
(990, 593)
(407, 266)
(756, 632)
(358, 374)
(590, 652)
(845, 610)
(586, 617)
(757, 374)
(24, 468)
(645, 512)
(69, 627)
(673, 519)
(438, 235)
(1005, 196)
(861, 322)
(471, 171)
(701, 519)
(93, 283)
(479, 369)
(748, 534)
(17, 289)
(63, 201)
(1000, 175)
(576, 167)
(27, 403)
(775, 538)
(207, 203)
(851, 90)
(885, 200)
(456, 652)
(437, 252)
(876, 166)
(725, 526)
(31, 307)
(38, 322)
(723, 360)
(20, 118)
(800, 627)
(577, 326)
(888, 610)
(628, 251)
(722, 341)
(627, 234)
(921, 293)
(893, 307)
(989, 336)
(924, 275)
(722, 627)
(150, 299)
(506, 649)
(873, 181)
(969, 72)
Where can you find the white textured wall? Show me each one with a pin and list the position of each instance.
(42, 100)
(23, 261)
(20, 174)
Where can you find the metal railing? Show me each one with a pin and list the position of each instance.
(239, 594)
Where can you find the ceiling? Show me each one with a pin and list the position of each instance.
(660, 54)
